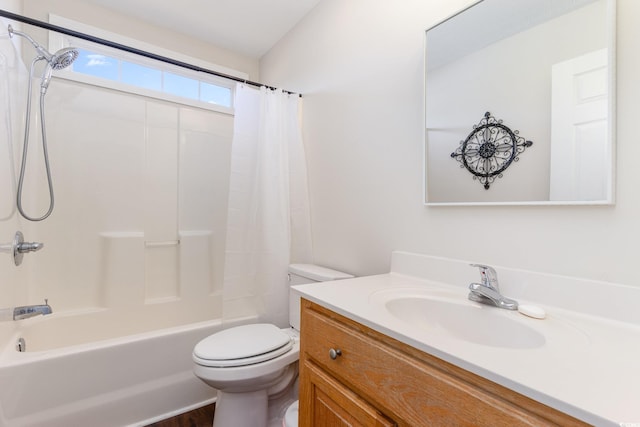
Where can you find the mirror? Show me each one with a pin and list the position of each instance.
(519, 104)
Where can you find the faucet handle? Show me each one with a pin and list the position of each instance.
(489, 277)
(20, 247)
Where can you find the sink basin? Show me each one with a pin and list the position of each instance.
(485, 325)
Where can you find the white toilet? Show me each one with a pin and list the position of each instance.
(251, 364)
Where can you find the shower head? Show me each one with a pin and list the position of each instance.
(63, 58)
(59, 60)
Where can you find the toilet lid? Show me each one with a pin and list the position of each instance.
(243, 345)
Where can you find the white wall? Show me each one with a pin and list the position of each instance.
(359, 64)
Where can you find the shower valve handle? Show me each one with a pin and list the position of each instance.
(20, 247)
(30, 247)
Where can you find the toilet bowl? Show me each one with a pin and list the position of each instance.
(250, 365)
(247, 364)
(291, 416)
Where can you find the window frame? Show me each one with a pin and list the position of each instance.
(58, 41)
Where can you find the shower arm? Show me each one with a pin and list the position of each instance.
(41, 51)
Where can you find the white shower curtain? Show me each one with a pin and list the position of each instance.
(268, 225)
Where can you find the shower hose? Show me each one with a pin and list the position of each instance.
(25, 147)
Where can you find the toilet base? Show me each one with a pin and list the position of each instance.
(279, 404)
(241, 409)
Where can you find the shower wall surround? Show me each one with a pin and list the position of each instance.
(146, 183)
(141, 206)
(13, 76)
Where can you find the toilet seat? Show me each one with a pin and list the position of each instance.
(242, 346)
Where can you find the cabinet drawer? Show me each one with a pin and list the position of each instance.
(402, 386)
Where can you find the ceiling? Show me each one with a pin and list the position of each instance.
(249, 27)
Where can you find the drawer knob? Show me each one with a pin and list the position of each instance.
(334, 354)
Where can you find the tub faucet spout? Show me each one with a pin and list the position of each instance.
(27, 311)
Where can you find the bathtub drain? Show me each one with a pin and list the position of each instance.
(21, 345)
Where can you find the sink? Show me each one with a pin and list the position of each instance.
(467, 321)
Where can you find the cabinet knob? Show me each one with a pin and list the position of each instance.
(335, 353)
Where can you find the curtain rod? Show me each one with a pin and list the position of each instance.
(104, 42)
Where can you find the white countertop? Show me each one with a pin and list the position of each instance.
(588, 367)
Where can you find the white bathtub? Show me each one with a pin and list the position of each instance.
(64, 379)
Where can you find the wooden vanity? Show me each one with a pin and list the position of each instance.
(351, 375)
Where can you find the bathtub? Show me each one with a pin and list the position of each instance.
(71, 375)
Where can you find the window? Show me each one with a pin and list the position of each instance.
(94, 64)
(108, 67)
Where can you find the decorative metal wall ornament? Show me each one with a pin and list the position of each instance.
(490, 149)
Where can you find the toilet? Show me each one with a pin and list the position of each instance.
(250, 365)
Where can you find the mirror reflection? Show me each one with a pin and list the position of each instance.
(542, 69)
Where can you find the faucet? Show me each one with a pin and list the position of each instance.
(27, 311)
(488, 290)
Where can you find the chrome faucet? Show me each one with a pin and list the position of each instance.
(488, 290)
(27, 311)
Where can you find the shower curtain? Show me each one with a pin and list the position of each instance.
(268, 224)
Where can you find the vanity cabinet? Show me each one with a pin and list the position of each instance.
(351, 375)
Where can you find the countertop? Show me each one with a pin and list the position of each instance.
(588, 367)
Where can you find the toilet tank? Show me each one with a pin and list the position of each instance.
(300, 274)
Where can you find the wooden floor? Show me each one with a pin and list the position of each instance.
(201, 417)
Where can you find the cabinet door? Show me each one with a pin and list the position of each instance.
(331, 404)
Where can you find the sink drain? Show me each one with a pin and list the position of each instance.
(21, 345)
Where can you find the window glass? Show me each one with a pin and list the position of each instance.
(214, 94)
(180, 86)
(95, 64)
(141, 76)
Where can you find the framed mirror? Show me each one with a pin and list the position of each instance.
(519, 104)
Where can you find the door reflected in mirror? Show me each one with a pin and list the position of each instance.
(542, 67)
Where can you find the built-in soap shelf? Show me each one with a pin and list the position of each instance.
(138, 270)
